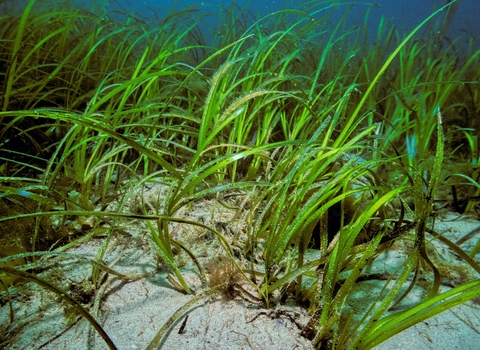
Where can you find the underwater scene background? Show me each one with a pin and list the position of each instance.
(314, 161)
(405, 14)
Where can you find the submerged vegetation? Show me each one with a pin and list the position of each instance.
(315, 134)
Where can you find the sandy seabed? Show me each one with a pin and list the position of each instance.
(132, 312)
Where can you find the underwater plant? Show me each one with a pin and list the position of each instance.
(320, 143)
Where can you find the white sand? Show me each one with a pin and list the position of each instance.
(133, 312)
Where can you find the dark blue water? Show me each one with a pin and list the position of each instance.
(404, 14)
(463, 22)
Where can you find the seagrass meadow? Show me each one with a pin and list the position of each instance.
(276, 160)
